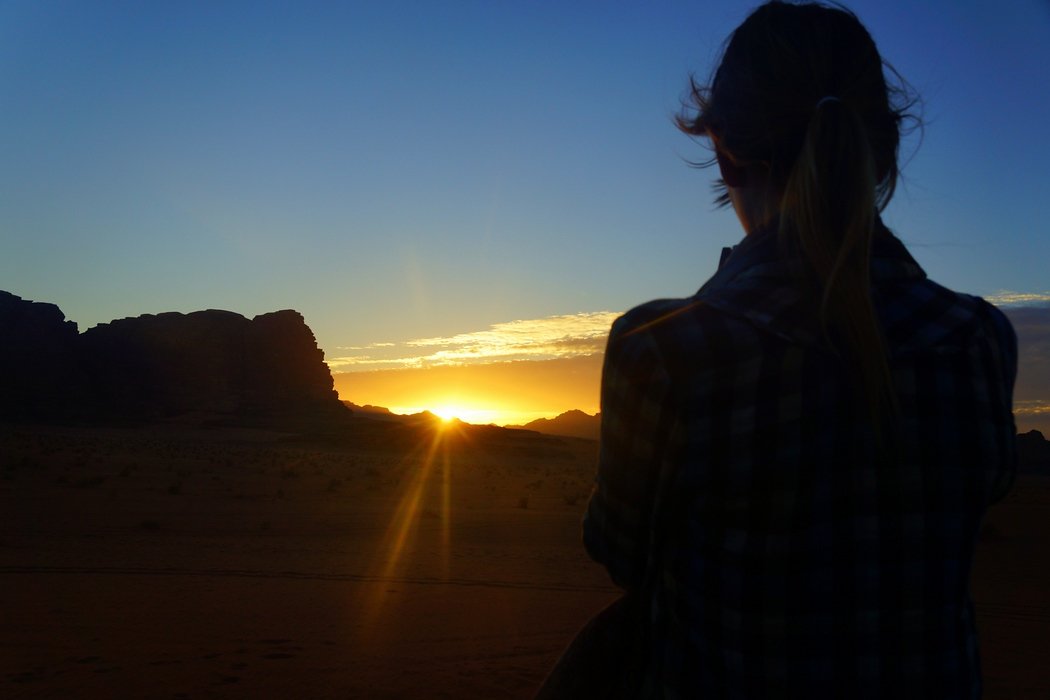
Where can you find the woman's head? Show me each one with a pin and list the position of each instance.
(777, 66)
(776, 71)
(800, 113)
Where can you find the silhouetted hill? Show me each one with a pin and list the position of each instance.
(1033, 453)
(382, 413)
(202, 366)
(374, 412)
(572, 423)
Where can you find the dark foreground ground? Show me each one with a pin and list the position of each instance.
(195, 564)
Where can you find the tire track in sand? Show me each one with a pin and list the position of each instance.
(299, 575)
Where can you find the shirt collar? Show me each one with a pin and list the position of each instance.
(759, 255)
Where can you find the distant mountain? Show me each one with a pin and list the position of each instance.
(385, 414)
(572, 423)
(201, 366)
(1033, 453)
(368, 409)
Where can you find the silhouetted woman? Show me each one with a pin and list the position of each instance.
(795, 461)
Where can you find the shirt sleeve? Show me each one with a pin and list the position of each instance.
(635, 411)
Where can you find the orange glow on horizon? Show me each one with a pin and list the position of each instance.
(503, 393)
(472, 412)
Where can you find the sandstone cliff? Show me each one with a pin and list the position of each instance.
(202, 366)
(37, 358)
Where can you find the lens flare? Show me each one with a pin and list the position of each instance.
(431, 482)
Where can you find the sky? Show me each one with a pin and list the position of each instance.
(439, 186)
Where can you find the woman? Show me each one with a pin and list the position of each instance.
(795, 460)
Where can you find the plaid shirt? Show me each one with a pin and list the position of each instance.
(782, 552)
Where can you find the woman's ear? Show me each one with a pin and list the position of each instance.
(732, 174)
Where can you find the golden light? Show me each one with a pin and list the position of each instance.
(431, 471)
(475, 412)
(501, 393)
(448, 413)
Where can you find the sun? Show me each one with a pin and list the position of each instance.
(448, 413)
(466, 412)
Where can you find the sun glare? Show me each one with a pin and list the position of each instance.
(466, 412)
(473, 413)
(448, 413)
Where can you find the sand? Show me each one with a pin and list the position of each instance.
(178, 563)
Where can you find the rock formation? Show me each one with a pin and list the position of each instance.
(1033, 453)
(205, 366)
(37, 358)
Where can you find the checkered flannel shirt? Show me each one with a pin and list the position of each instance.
(781, 548)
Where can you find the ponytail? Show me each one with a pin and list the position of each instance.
(828, 212)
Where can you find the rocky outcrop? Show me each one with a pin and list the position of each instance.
(284, 367)
(1033, 453)
(37, 358)
(206, 365)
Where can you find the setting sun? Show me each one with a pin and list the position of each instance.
(448, 413)
(502, 392)
(479, 415)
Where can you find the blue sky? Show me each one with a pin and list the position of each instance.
(406, 170)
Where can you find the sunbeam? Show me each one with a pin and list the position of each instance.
(391, 559)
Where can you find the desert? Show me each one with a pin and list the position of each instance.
(388, 560)
(436, 561)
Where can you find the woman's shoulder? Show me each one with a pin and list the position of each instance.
(651, 313)
(923, 313)
(658, 316)
(686, 326)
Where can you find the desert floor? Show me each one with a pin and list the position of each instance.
(180, 563)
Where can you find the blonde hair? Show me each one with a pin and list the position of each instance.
(828, 210)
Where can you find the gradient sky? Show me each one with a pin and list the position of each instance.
(410, 171)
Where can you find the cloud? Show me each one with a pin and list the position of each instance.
(569, 335)
(365, 347)
(1032, 324)
(1032, 408)
(1007, 298)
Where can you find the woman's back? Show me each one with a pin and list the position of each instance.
(788, 549)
